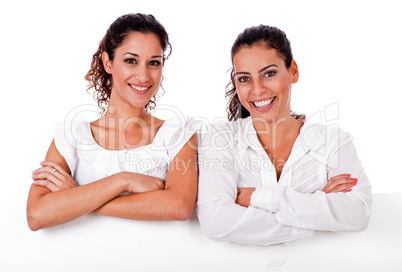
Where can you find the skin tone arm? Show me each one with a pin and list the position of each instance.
(53, 198)
(175, 202)
(341, 183)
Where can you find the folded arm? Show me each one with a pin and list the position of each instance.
(175, 202)
(340, 211)
(51, 202)
(46, 208)
(221, 218)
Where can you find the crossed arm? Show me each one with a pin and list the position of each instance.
(280, 213)
(55, 198)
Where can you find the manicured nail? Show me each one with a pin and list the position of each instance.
(354, 179)
(354, 182)
(349, 190)
(348, 175)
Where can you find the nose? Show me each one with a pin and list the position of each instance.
(258, 87)
(142, 74)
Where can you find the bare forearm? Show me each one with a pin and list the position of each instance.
(151, 206)
(55, 208)
(175, 202)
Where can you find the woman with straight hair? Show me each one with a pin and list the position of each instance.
(269, 176)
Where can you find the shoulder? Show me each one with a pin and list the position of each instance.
(175, 129)
(329, 135)
(174, 134)
(75, 133)
(226, 135)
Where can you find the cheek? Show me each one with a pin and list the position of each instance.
(156, 76)
(282, 86)
(119, 75)
(243, 93)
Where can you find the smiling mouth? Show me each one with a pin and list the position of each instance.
(261, 104)
(139, 89)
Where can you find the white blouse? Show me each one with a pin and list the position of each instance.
(231, 156)
(89, 162)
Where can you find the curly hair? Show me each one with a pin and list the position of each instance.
(271, 37)
(97, 76)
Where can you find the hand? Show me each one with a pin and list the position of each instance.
(341, 183)
(52, 176)
(139, 183)
(244, 196)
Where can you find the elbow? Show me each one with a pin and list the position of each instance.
(34, 219)
(33, 223)
(214, 221)
(183, 209)
(359, 221)
(213, 231)
(212, 227)
(361, 225)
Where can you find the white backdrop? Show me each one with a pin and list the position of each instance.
(348, 52)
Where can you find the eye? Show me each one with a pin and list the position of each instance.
(154, 63)
(243, 79)
(270, 74)
(131, 60)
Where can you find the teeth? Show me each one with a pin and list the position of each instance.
(263, 103)
(141, 89)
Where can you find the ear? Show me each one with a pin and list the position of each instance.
(294, 70)
(107, 63)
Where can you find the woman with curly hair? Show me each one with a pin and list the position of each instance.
(270, 176)
(128, 163)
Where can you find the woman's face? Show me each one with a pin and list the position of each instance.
(136, 69)
(263, 82)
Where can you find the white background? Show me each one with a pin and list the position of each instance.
(348, 53)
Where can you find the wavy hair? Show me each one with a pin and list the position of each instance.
(97, 76)
(272, 38)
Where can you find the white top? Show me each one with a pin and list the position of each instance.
(89, 162)
(231, 156)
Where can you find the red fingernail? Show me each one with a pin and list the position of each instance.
(354, 183)
(348, 175)
(349, 190)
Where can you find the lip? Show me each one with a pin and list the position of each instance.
(265, 108)
(135, 87)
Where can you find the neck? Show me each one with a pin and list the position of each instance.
(276, 132)
(124, 116)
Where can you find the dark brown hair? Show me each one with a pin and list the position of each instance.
(269, 36)
(97, 76)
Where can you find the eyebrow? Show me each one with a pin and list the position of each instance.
(263, 69)
(136, 55)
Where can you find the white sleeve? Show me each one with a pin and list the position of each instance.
(177, 133)
(66, 145)
(219, 216)
(320, 211)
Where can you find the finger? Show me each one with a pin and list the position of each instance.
(55, 165)
(43, 169)
(343, 187)
(340, 181)
(46, 183)
(339, 177)
(161, 186)
(45, 175)
(50, 170)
